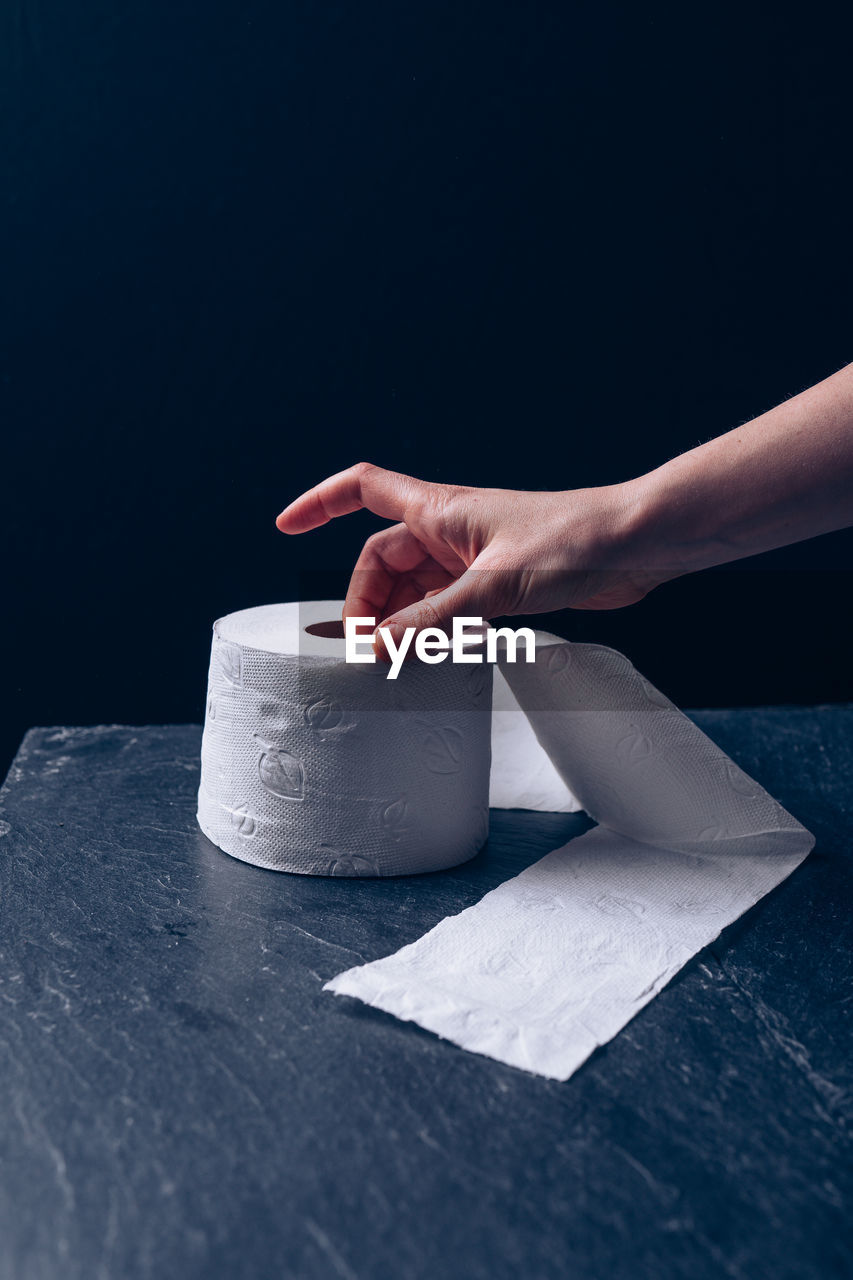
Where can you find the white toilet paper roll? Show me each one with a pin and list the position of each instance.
(312, 765)
(317, 766)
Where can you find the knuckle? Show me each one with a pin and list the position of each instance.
(362, 469)
(426, 615)
(451, 509)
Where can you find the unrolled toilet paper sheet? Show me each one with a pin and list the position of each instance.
(313, 765)
(555, 961)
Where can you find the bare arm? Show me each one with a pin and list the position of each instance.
(784, 477)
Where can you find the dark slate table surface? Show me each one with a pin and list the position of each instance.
(181, 1099)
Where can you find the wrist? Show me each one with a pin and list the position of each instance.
(664, 524)
(618, 529)
(651, 532)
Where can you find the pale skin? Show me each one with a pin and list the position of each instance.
(455, 550)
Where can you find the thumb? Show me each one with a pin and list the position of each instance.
(480, 592)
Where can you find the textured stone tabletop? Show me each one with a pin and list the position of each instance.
(180, 1098)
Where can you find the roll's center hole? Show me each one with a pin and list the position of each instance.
(326, 630)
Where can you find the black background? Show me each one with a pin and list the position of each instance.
(537, 246)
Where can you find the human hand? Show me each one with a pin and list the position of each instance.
(460, 551)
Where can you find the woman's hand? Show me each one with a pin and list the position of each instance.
(478, 552)
(785, 476)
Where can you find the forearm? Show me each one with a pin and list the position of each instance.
(784, 477)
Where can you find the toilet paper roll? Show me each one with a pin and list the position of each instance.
(314, 765)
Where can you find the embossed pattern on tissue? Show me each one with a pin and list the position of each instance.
(477, 682)
(654, 696)
(393, 818)
(244, 822)
(740, 781)
(633, 746)
(611, 904)
(280, 772)
(324, 714)
(231, 661)
(350, 864)
(556, 658)
(442, 750)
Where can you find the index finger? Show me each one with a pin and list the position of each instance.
(393, 570)
(386, 493)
